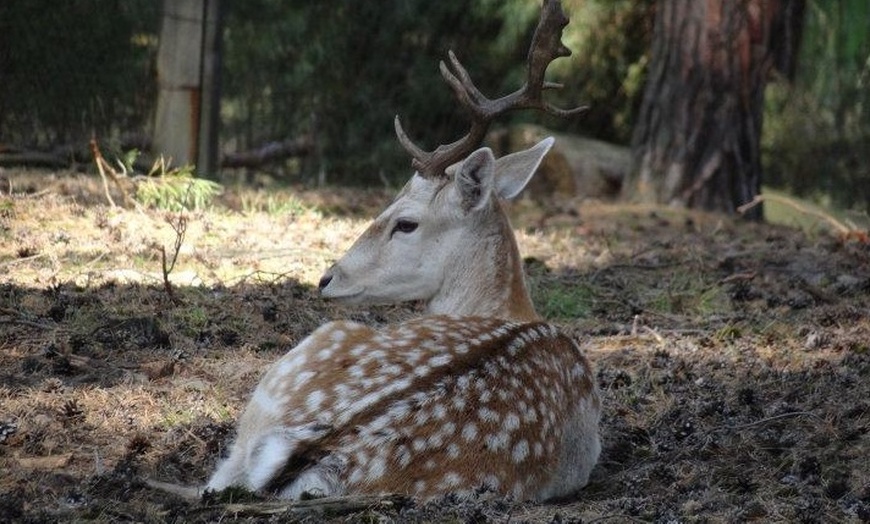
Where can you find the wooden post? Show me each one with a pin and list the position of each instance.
(209, 122)
(185, 127)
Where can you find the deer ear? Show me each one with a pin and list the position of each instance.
(474, 179)
(513, 172)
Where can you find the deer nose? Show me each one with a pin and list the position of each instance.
(327, 278)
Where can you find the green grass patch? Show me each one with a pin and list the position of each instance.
(808, 215)
(560, 301)
(687, 294)
(274, 204)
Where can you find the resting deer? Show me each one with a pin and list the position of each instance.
(479, 392)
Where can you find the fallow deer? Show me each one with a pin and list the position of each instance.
(479, 392)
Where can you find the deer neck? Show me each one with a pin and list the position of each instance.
(486, 278)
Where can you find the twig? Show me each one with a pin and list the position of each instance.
(186, 492)
(18, 318)
(655, 335)
(841, 228)
(179, 225)
(101, 163)
(767, 419)
(23, 259)
(105, 168)
(332, 506)
(24, 322)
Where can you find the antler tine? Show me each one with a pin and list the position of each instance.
(546, 46)
(419, 156)
(462, 77)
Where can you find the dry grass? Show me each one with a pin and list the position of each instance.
(735, 358)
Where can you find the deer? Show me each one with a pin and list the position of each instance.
(477, 393)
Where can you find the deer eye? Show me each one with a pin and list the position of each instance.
(403, 226)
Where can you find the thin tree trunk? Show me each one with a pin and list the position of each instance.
(697, 139)
(188, 69)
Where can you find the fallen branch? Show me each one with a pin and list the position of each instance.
(767, 420)
(17, 317)
(188, 493)
(841, 228)
(270, 152)
(33, 159)
(331, 506)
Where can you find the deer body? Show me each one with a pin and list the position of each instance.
(434, 405)
(479, 393)
(487, 396)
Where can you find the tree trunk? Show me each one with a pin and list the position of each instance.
(188, 60)
(697, 139)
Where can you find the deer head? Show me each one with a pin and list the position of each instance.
(445, 239)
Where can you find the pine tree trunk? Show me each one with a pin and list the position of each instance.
(697, 139)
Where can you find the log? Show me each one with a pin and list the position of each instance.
(39, 159)
(271, 152)
(68, 156)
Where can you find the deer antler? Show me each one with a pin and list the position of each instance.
(546, 46)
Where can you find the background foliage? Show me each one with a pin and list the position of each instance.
(340, 71)
(817, 130)
(70, 69)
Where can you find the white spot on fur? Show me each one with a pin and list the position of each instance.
(355, 476)
(300, 379)
(451, 480)
(487, 415)
(520, 451)
(314, 400)
(403, 456)
(419, 486)
(391, 370)
(496, 441)
(511, 421)
(485, 396)
(377, 468)
(491, 481)
(469, 431)
(440, 360)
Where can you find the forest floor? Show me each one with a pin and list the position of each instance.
(734, 357)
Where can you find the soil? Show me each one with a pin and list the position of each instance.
(734, 357)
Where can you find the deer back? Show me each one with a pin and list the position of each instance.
(434, 405)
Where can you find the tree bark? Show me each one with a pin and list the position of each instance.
(697, 139)
(188, 71)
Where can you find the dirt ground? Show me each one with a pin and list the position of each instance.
(734, 358)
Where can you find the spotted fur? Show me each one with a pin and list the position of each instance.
(435, 405)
